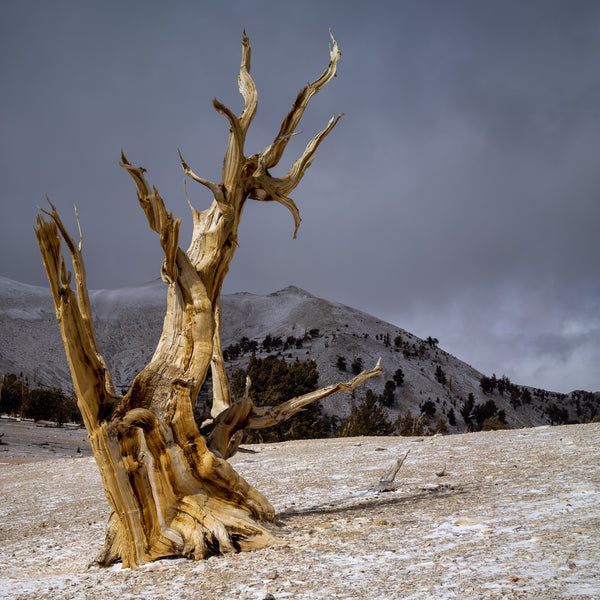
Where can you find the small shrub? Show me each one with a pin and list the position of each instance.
(494, 423)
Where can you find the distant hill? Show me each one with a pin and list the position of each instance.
(300, 326)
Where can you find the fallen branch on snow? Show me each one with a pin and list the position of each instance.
(386, 483)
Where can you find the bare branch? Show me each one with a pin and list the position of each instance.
(49, 243)
(299, 167)
(226, 425)
(159, 219)
(262, 185)
(247, 87)
(386, 483)
(292, 119)
(221, 391)
(194, 211)
(391, 474)
(213, 187)
(143, 192)
(234, 155)
(266, 416)
(263, 157)
(80, 245)
(91, 378)
(83, 299)
(265, 191)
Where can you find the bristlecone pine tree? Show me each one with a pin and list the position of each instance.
(171, 490)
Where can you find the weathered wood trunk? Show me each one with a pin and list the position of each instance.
(171, 489)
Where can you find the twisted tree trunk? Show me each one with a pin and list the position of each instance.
(171, 489)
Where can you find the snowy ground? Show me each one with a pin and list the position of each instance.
(516, 515)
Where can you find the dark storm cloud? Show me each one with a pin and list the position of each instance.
(458, 197)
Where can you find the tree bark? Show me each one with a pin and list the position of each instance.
(171, 490)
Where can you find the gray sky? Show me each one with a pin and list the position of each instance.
(459, 196)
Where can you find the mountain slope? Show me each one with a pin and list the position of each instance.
(129, 322)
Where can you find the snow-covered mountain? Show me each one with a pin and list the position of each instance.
(128, 324)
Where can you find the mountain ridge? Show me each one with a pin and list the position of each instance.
(128, 324)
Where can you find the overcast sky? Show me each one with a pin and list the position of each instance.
(459, 196)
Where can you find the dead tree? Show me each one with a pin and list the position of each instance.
(171, 490)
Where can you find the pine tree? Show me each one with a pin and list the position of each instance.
(387, 398)
(399, 377)
(484, 411)
(357, 365)
(428, 408)
(368, 418)
(452, 417)
(440, 375)
(467, 408)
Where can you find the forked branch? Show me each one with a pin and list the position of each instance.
(266, 416)
(159, 219)
(244, 415)
(295, 174)
(289, 124)
(213, 187)
(91, 378)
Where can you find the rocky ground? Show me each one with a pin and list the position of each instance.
(507, 514)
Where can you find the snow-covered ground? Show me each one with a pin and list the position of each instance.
(505, 514)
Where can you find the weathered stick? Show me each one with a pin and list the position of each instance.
(386, 483)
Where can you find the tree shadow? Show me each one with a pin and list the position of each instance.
(370, 500)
